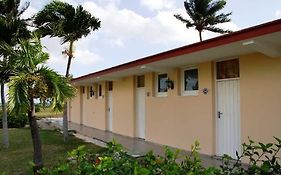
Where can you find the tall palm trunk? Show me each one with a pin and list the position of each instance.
(70, 56)
(4, 119)
(200, 35)
(37, 146)
(65, 117)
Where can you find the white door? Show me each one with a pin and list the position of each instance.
(228, 112)
(140, 112)
(140, 108)
(109, 113)
(82, 91)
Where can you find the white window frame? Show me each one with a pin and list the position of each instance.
(160, 94)
(190, 92)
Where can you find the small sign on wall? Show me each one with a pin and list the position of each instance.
(205, 91)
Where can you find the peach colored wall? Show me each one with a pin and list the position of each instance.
(260, 84)
(74, 106)
(94, 110)
(178, 120)
(123, 106)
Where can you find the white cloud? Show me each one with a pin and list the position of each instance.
(86, 57)
(29, 12)
(158, 4)
(118, 42)
(162, 28)
(126, 24)
(72, 2)
(278, 14)
(120, 26)
(226, 26)
(83, 55)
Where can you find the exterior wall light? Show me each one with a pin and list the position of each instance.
(170, 84)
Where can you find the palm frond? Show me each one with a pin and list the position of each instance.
(59, 88)
(186, 21)
(7, 69)
(34, 80)
(217, 30)
(60, 19)
(203, 14)
(222, 18)
(6, 49)
(18, 94)
(23, 8)
(216, 6)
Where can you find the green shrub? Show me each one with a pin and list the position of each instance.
(15, 120)
(115, 161)
(262, 159)
(38, 107)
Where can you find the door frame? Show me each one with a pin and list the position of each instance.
(137, 135)
(216, 100)
(108, 127)
(82, 89)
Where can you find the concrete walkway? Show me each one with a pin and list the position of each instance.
(134, 146)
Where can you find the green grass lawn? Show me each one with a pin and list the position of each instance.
(47, 113)
(16, 160)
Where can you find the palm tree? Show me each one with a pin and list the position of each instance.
(32, 81)
(62, 20)
(203, 14)
(12, 28)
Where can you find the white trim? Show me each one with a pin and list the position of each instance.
(216, 122)
(159, 94)
(183, 91)
(228, 79)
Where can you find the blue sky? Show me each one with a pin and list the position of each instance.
(133, 29)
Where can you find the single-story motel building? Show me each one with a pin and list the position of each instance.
(220, 92)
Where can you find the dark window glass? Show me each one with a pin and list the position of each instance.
(91, 92)
(228, 69)
(191, 80)
(140, 81)
(162, 85)
(110, 86)
(100, 90)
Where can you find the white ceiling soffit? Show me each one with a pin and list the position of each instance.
(269, 44)
(265, 48)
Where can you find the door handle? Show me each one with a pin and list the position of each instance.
(219, 114)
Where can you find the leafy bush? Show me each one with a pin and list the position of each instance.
(115, 161)
(38, 107)
(262, 159)
(15, 120)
